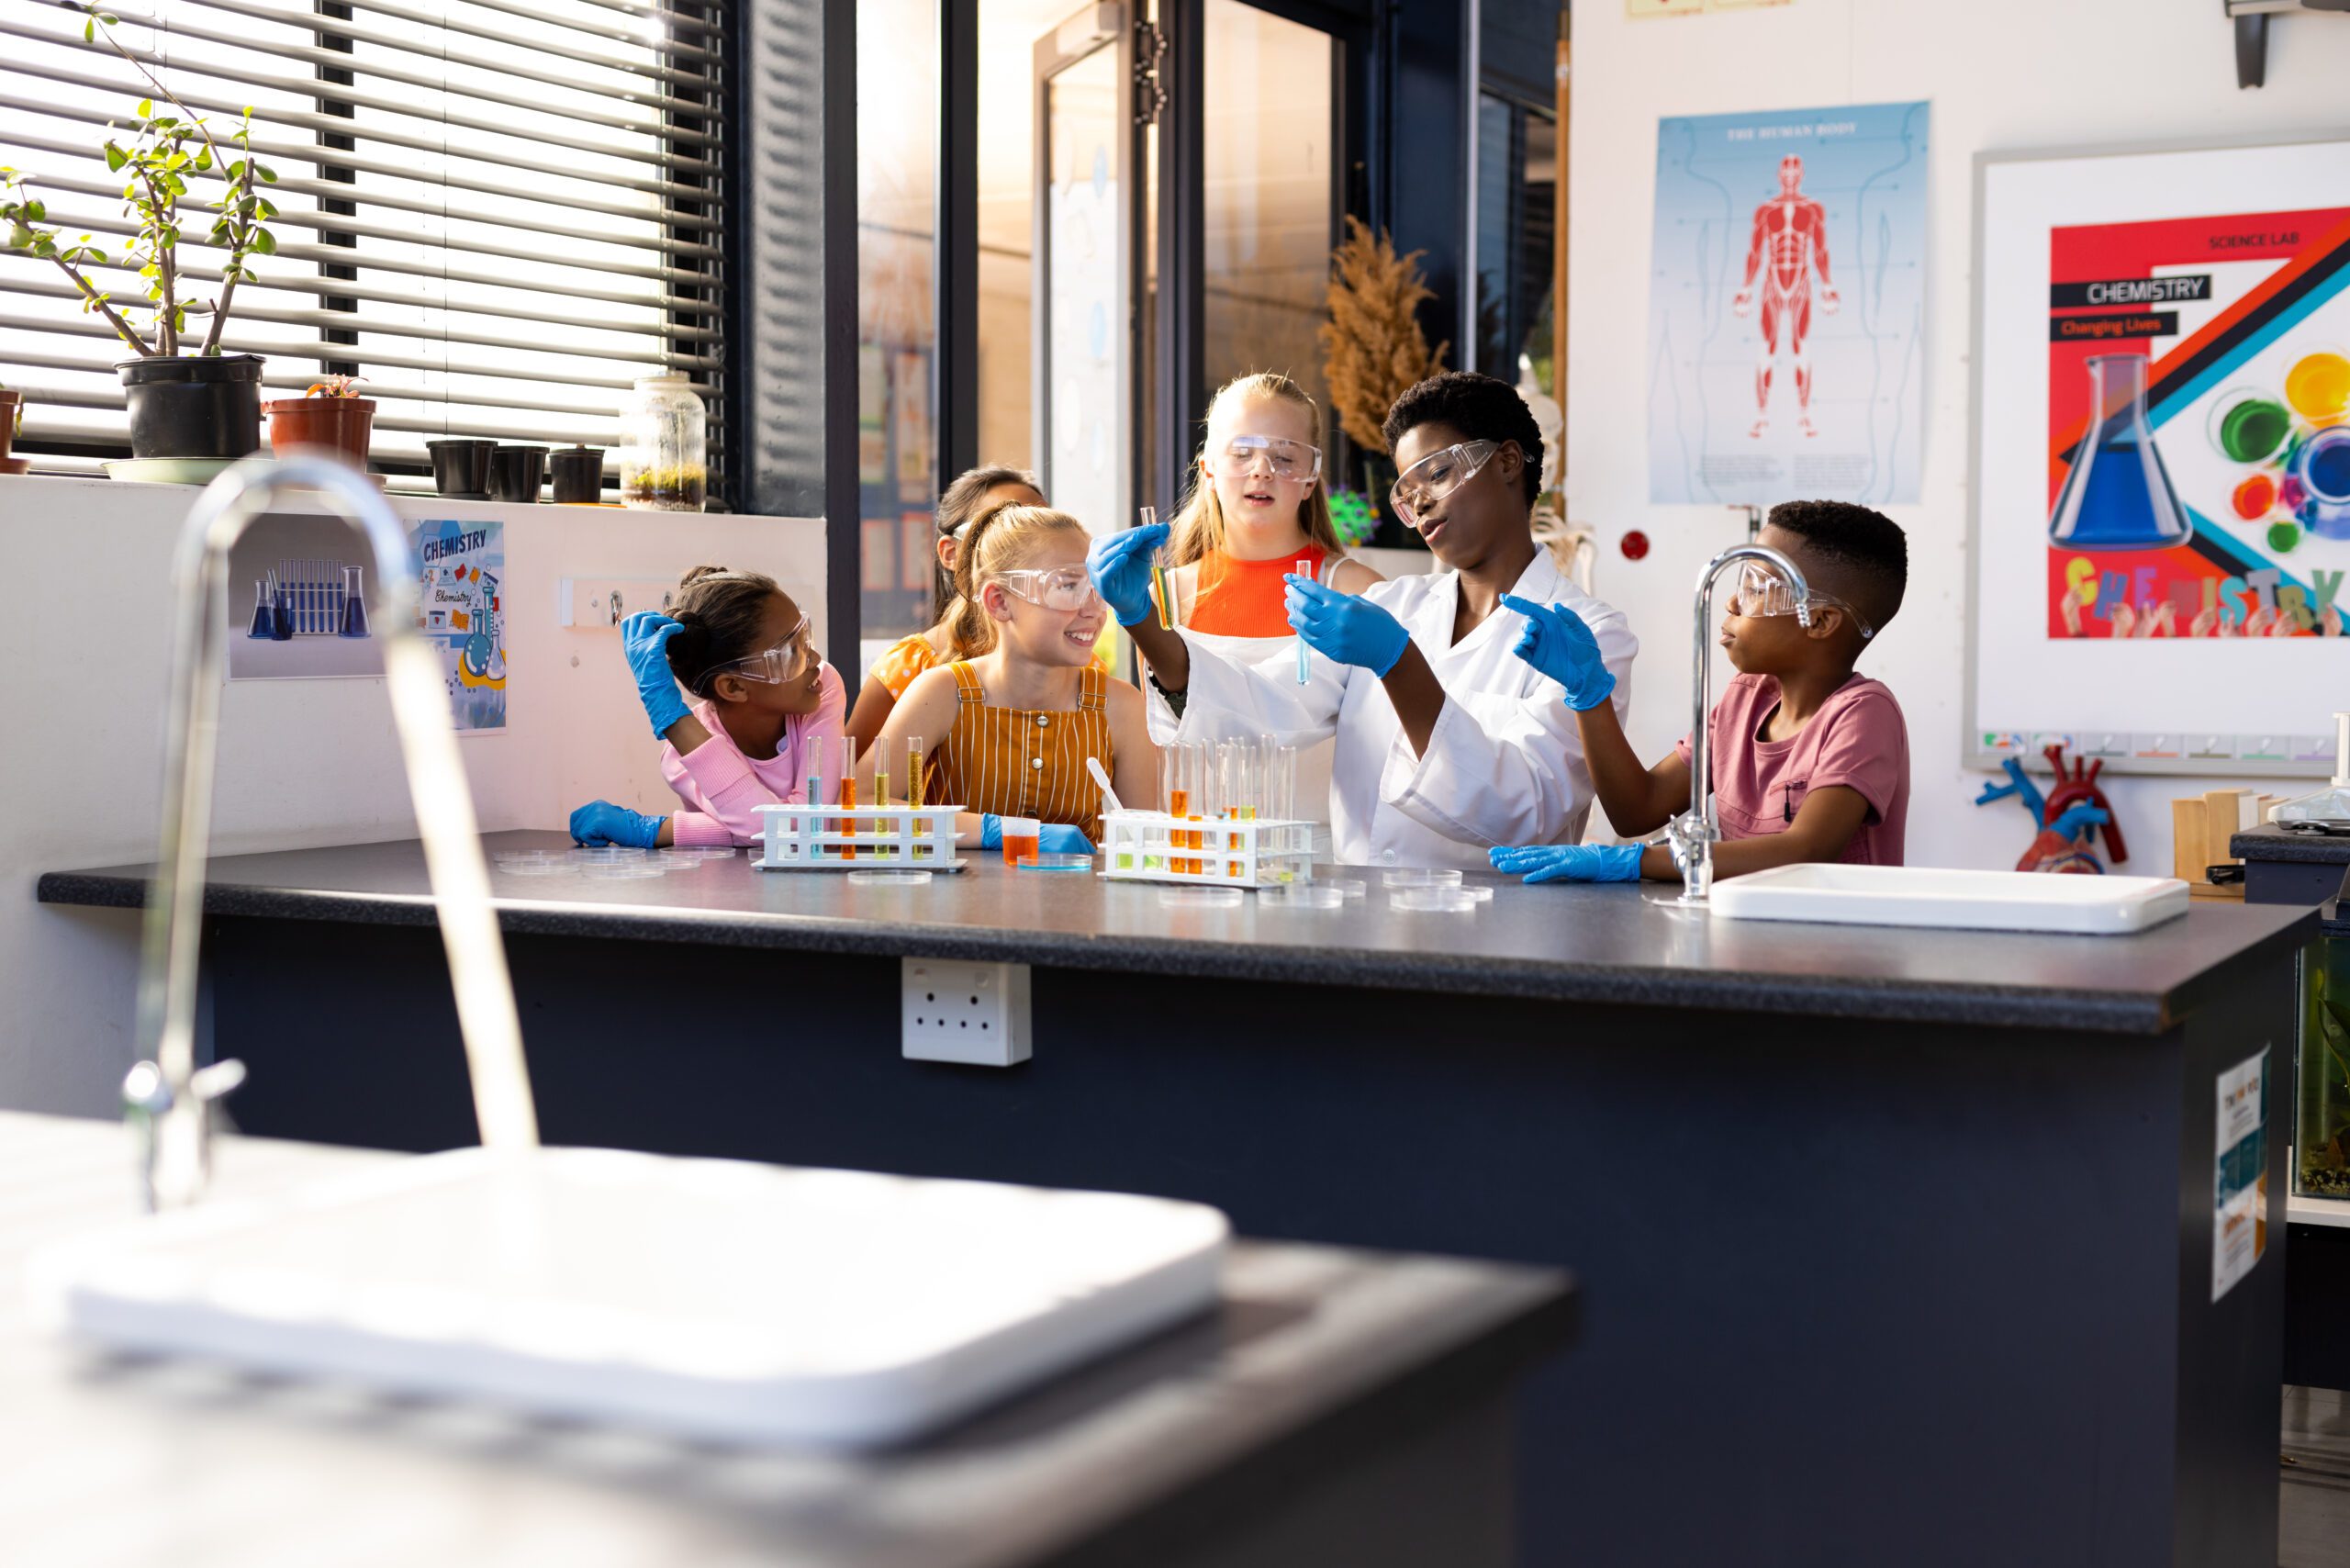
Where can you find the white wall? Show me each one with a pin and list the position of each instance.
(2002, 75)
(83, 652)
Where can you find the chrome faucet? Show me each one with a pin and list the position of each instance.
(167, 1098)
(1693, 835)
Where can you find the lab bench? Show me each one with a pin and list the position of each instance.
(1898, 1244)
(1337, 1407)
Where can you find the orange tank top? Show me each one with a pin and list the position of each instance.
(1244, 598)
(1019, 764)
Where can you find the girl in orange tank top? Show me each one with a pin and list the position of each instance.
(1007, 733)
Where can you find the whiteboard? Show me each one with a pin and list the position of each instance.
(2246, 234)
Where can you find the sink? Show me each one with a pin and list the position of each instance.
(709, 1299)
(1973, 900)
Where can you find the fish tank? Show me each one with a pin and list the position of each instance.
(2322, 1124)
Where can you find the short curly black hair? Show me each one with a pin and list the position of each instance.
(1866, 550)
(1481, 409)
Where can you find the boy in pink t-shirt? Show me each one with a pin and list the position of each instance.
(1810, 760)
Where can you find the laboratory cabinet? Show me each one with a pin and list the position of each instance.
(1874, 1226)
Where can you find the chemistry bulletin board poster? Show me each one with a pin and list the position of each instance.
(1786, 307)
(459, 567)
(2162, 514)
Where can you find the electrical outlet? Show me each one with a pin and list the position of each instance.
(600, 604)
(976, 1015)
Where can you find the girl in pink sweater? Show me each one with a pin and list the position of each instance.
(766, 705)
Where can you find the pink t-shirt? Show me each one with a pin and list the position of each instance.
(723, 789)
(1857, 739)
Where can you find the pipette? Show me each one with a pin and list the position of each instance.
(1109, 796)
(1158, 582)
(1304, 653)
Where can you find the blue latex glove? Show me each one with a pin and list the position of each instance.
(1052, 838)
(2074, 822)
(1568, 862)
(644, 637)
(600, 822)
(1120, 567)
(1345, 627)
(1557, 642)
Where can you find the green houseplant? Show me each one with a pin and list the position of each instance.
(185, 397)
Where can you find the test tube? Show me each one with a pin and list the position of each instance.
(1304, 655)
(1159, 580)
(916, 753)
(849, 793)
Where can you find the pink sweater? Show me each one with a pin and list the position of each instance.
(723, 789)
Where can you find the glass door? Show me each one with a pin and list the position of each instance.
(1088, 218)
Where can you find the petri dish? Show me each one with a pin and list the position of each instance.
(1200, 898)
(517, 856)
(556, 867)
(1057, 863)
(622, 870)
(1482, 891)
(1305, 895)
(887, 879)
(1423, 877)
(1354, 887)
(612, 852)
(1433, 901)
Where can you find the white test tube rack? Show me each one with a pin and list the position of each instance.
(818, 838)
(1234, 852)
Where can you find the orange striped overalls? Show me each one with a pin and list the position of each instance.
(1026, 764)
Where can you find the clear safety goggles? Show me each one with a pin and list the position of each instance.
(787, 661)
(1437, 476)
(1764, 592)
(1059, 587)
(1282, 458)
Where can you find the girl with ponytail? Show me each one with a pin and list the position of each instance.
(765, 705)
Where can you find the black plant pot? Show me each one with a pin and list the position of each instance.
(578, 474)
(460, 468)
(192, 405)
(515, 473)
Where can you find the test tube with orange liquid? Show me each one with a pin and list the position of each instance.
(849, 793)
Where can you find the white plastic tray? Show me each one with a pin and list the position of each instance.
(711, 1299)
(1976, 900)
(862, 863)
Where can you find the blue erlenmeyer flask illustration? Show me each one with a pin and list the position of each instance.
(2117, 496)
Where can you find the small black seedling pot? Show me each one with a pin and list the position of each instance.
(460, 468)
(516, 472)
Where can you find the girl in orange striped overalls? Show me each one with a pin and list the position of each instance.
(1019, 721)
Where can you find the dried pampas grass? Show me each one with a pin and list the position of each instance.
(1373, 346)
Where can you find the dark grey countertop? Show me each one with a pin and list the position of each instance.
(129, 1460)
(2269, 842)
(1619, 944)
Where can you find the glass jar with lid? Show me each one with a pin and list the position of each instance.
(663, 446)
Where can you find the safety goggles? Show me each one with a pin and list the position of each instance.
(1283, 459)
(1764, 592)
(1433, 478)
(1059, 587)
(787, 661)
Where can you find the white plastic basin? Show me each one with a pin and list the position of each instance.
(1974, 900)
(705, 1298)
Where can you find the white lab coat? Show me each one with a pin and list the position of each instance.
(1503, 763)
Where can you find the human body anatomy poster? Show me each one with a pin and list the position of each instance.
(460, 566)
(1786, 305)
(2162, 506)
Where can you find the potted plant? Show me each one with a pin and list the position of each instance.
(12, 420)
(330, 414)
(183, 401)
(1373, 348)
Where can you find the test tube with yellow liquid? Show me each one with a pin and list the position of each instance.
(1159, 584)
(916, 753)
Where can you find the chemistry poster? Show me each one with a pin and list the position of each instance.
(459, 565)
(1786, 305)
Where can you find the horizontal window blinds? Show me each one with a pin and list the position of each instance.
(498, 212)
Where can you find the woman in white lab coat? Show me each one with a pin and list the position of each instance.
(1447, 742)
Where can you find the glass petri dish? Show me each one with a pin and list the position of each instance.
(555, 868)
(1200, 898)
(622, 871)
(1354, 888)
(1305, 895)
(1433, 901)
(1482, 891)
(1423, 877)
(887, 879)
(1057, 863)
(523, 856)
(612, 852)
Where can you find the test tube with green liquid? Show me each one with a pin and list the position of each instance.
(1159, 583)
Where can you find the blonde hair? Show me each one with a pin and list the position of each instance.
(1003, 537)
(1199, 526)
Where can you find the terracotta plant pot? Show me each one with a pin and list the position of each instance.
(12, 405)
(343, 424)
(192, 405)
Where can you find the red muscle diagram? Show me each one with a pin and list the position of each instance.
(1787, 253)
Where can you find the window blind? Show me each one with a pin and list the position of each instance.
(498, 212)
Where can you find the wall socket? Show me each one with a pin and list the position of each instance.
(602, 603)
(976, 1015)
